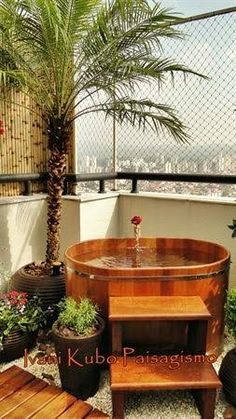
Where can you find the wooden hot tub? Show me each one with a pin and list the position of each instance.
(206, 276)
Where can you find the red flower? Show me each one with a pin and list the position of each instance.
(136, 220)
(15, 298)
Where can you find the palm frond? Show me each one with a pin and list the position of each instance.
(123, 46)
(65, 50)
(143, 114)
(121, 25)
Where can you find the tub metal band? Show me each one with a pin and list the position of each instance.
(163, 278)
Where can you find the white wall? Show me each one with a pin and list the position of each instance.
(99, 217)
(22, 231)
(87, 217)
(181, 217)
(23, 225)
(70, 227)
(23, 222)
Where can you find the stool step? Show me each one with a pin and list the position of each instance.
(157, 308)
(165, 373)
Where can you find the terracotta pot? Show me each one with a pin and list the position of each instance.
(227, 375)
(50, 289)
(15, 344)
(79, 371)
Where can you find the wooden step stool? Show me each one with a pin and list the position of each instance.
(155, 308)
(129, 375)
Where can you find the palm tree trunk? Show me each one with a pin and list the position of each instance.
(56, 170)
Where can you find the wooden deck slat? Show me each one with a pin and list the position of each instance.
(24, 396)
(9, 373)
(35, 403)
(55, 407)
(97, 414)
(13, 385)
(78, 410)
(20, 396)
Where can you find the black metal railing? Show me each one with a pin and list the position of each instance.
(89, 177)
(175, 177)
(135, 177)
(26, 178)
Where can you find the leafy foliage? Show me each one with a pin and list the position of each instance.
(233, 227)
(17, 311)
(7, 64)
(231, 311)
(80, 317)
(116, 45)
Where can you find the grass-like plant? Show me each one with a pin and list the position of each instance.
(80, 317)
(231, 311)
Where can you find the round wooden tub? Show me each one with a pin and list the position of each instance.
(208, 278)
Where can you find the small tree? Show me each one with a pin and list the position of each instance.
(62, 52)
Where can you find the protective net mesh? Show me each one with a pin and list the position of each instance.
(207, 108)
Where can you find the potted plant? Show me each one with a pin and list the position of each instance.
(77, 335)
(20, 320)
(227, 371)
(48, 283)
(97, 53)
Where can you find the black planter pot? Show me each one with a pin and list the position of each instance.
(227, 375)
(79, 371)
(49, 288)
(15, 344)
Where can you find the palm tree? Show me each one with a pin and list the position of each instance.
(66, 52)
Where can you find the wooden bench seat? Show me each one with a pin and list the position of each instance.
(131, 375)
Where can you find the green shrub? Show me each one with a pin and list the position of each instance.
(80, 317)
(231, 311)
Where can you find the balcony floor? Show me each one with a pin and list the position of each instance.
(153, 405)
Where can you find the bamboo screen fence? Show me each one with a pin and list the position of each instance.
(23, 146)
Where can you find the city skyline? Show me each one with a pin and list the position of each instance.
(222, 165)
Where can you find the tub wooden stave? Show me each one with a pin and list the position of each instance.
(208, 280)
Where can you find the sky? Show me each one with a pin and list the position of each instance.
(193, 7)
